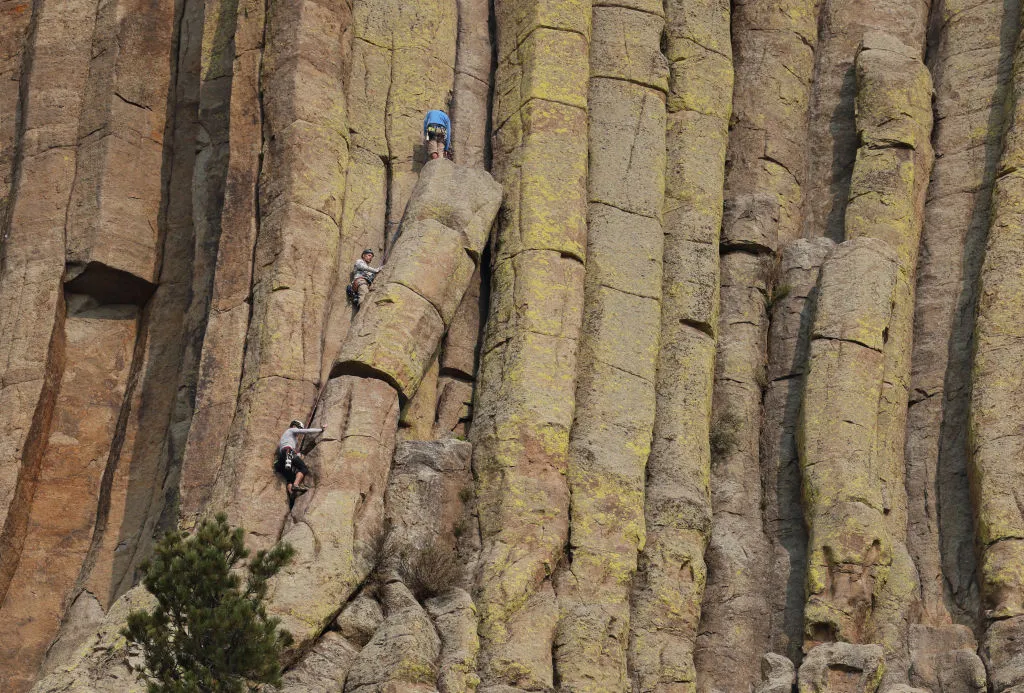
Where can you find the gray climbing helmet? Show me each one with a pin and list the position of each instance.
(296, 424)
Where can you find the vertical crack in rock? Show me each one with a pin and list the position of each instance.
(618, 348)
(773, 45)
(832, 141)
(968, 135)
(527, 381)
(792, 299)
(667, 590)
(774, 52)
(391, 345)
(850, 552)
(15, 32)
(887, 197)
(996, 441)
(31, 300)
(220, 365)
(301, 188)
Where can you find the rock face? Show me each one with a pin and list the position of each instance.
(714, 386)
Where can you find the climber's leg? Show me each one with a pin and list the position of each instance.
(362, 288)
(435, 148)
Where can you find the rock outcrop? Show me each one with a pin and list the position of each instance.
(711, 388)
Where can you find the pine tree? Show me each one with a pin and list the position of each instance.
(206, 633)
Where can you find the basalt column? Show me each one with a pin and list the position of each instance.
(615, 398)
(773, 45)
(15, 18)
(832, 141)
(968, 138)
(887, 191)
(996, 438)
(220, 365)
(301, 186)
(527, 380)
(390, 347)
(668, 588)
(107, 241)
(791, 300)
(402, 64)
(471, 113)
(850, 552)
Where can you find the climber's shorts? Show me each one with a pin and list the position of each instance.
(436, 133)
(289, 471)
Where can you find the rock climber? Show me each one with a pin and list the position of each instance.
(289, 463)
(437, 133)
(362, 276)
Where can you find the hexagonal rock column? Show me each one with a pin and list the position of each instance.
(527, 379)
(997, 423)
(391, 344)
(615, 388)
(887, 194)
(773, 43)
(850, 551)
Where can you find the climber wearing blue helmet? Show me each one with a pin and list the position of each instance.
(437, 133)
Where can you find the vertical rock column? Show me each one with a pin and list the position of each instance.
(220, 365)
(31, 302)
(832, 140)
(402, 64)
(887, 195)
(774, 45)
(471, 111)
(677, 513)
(850, 551)
(792, 306)
(618, 351)
(301, 186)
(389, 349)
(941, 537)
(996, 439)
(15, 19)
(527, 380)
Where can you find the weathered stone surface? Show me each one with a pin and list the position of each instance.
(398, 331)
(455, 617)
(793, 301)
(887, 196)
(223, 349)
(401, 654)
(666, 593)
(31, 304)
(777, 674)
(850, 552)
(112, 218)
(842, 668)
(324, 668)
(100, 663)
(833, 134)
(528, 361)
(969, 67)
(995, 435)
(943, 658)
(359, 620)
(333, 525)
(615, 399)
(429, 492)
(97, 346)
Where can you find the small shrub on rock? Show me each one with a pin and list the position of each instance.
(207, 633)
(433, 571)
